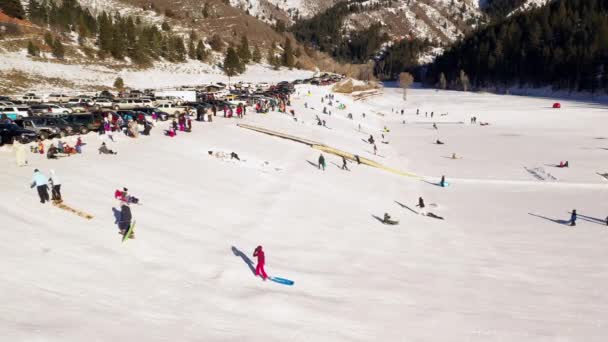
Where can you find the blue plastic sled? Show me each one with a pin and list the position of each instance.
(445, 184)
(282, 281)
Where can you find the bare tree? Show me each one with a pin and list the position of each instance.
(443, 82)
(405, 81)
(464, 80)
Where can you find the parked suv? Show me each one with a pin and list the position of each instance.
(41, 127)
(58, 98)
(10, 132)
(49, 109)
(131, 104)
(85, 122)
(15, 112)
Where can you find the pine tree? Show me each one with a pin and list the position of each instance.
(119, 83)
(58, 49)
(257, 55)
(201, 53)
(32, 49)
(243, 50)
(232, 64)
(48, 39)
(191, 49)
(287, 59)
(12, 8)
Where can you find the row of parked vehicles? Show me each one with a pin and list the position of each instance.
(47, 121)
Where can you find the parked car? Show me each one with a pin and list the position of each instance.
(163, 116)
(170, 109)
(27, 98)
(77, 107)
(9, 132)
(49, 109)
(102, 102)
(106, 94)
(15, 112)
(84, 123)
(131, 103)
(58, 98)
(41, 127)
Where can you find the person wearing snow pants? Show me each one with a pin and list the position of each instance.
(40, 182)
(259, 268)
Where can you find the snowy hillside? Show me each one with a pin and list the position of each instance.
(501, 266)
(79, 77)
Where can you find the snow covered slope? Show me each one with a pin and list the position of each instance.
(500, 267)
(82, 77)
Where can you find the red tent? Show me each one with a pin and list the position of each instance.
(557, 105)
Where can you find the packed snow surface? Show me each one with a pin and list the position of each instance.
(502, 266)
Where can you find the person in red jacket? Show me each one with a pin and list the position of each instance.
(259, 268)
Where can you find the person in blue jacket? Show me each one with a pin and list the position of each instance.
(573, 218)
(40, 181)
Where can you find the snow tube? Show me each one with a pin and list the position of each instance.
(282, 281)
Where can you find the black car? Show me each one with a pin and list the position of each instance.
(84, 123)
(10, 132)
(62, 125)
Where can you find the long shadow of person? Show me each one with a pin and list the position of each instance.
(245, 258)
(117, 217)
(316, 166)
(564, 222)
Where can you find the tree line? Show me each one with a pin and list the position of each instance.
(324, 31)
(563, 45)
(114, 35)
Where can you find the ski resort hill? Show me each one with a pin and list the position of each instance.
(503, 263)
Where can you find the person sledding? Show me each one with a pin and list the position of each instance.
(103, 149)
(125, 221)
(387, 219)
(562, 164)
(439, 142)
(124, 196)
(443, 183)
(371, 139)
(259, 268)
(420, 203)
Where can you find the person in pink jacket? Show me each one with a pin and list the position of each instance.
(259, 268)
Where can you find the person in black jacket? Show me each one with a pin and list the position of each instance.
(420, 203)
(125, 219)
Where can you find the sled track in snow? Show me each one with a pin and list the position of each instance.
(328, 149)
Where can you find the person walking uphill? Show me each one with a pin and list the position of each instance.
(55, 184)
(40, 181)
(259, 268)
(321, 162)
